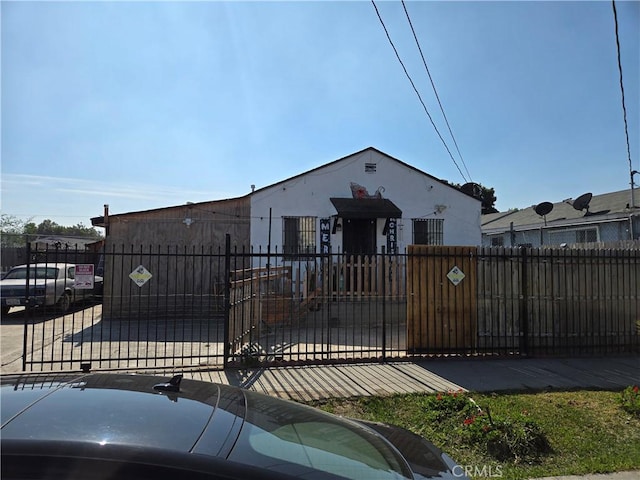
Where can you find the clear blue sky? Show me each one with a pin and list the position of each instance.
(152, 104)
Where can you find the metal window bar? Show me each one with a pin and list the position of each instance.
(298, 235)
(428, 231)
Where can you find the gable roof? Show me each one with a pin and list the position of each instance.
(368, 149)
(606, 207)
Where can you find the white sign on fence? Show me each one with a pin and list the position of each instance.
(455, 276)
(140, 276)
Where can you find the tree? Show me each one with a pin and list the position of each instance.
(48, 227)
(14, 230)
(488, 198)
(485, 194)
(80, 230)
(30, 228)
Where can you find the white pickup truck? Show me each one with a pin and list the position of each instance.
(50, 284)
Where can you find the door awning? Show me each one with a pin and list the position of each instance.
(366, 208)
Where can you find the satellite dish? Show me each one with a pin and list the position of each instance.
(472, 189)
(582, 202)
(543, 208)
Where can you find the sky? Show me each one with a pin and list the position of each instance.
(143, 105)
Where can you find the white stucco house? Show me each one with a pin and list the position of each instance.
(367, 202)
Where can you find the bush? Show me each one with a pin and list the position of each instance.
(630, 400)
(518, 438)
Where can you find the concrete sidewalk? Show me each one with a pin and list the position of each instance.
(534, 374)
(305, 383)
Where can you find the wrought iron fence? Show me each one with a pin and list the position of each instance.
(186, 307)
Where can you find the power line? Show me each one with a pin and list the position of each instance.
(424, 62)
(415, 89)
(624, 108)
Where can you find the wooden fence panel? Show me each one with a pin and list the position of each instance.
(442, 299)
(499, 300)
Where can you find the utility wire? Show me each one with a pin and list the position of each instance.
(415, 89)
(424, 62)
(624, 108)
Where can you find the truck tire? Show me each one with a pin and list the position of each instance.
(64, 304)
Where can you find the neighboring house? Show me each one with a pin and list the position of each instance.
(61, 242)
(52, 249)
(606, 218)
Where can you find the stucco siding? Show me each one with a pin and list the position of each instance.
(417, 194)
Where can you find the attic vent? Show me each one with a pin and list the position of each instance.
(370, 167)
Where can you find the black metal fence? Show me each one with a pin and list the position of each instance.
(186, 307)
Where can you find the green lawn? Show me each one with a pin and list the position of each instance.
(585, 431)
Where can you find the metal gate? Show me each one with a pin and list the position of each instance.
(187, 308)
(320, 308)
(155, 309)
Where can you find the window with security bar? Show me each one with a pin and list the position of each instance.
(298, 236)
(428, 231)
(497, 241)
(586, 235)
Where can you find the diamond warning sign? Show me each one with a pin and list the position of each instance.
(455, 276)
(140, 276)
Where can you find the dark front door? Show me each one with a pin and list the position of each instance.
(359, 236)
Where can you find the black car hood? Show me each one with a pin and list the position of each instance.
(212, 420)
(120, 408)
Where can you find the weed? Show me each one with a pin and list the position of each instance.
(516, 438)
(630, 400)
(444, 405)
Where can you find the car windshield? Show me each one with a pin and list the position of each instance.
(293, 438)
(39, 273)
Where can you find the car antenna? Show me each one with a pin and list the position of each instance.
(172, 385)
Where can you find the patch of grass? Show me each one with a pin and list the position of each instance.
(542, 434)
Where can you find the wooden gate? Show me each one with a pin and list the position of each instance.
(441, 299)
